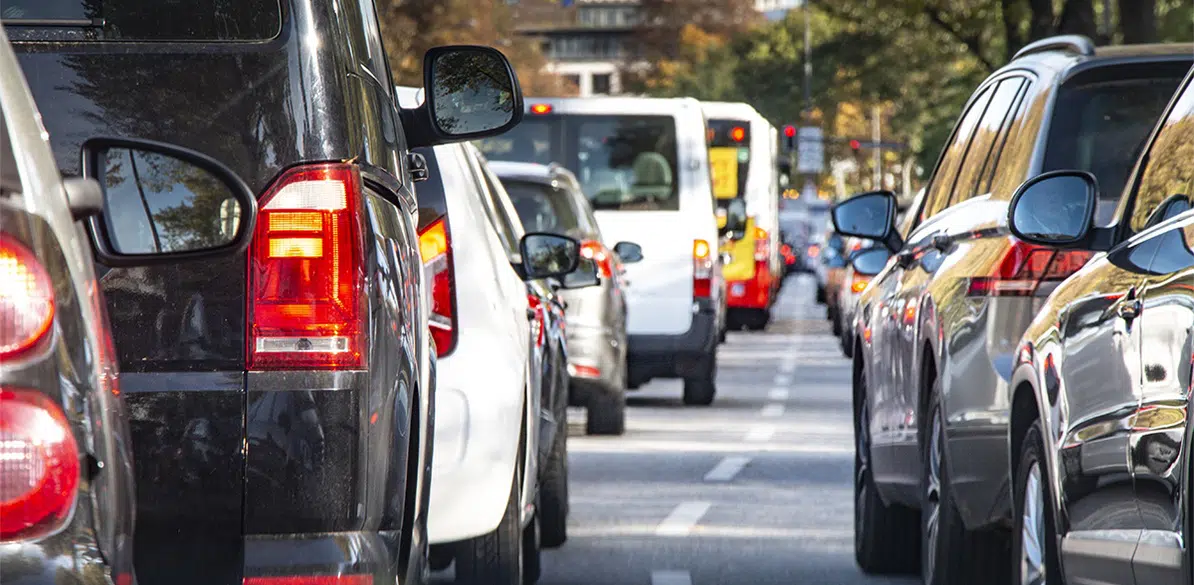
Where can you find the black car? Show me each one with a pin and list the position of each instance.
(278, 400)
(1100, 433)
(67, 507)
(935, 332)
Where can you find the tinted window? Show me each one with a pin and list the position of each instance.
(529, 141)
(1169, 170)
(984, 139)
(541, 208)
(1173, 253)
(1101, 128)
(947, 171)
(430, 193)
(145, 20)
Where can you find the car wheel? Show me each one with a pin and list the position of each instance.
(496, 558)
(607, 413)
(837, 323)
(1034, 541)
(553, 492)
(950, 553)
(820, 295)
(758, 320)
(699, 390)
(884, 535)
(532, 566)
(846, 341)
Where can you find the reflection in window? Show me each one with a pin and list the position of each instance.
(1169, 170)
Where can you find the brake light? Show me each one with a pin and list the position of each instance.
(598, 254)
(311, 580)
(1024, 267)
(702, 270)
(738, 133)
(762, 245)
(541, 109)
(435, 247)
(26, 299)
(306, 272)
(859, 284)
(39, 464)
(540, 323)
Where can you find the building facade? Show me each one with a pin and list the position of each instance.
(588, 42)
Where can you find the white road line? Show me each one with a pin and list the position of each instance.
(670, 578)
(772, 410)
(778, 394)
(782, 380)
(760, 434)
(682, 519)
(727, 468)
(787, 367)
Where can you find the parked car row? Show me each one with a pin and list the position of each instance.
(1022, 353)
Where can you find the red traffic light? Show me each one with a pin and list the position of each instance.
(855, 145)
(789, 131)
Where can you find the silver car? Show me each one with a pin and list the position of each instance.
(548, 198)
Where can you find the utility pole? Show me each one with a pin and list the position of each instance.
(876, 138)
(810, 180)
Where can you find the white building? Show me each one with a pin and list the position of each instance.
(591, 50)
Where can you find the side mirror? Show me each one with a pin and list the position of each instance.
(472, 92)
(735, 216)
(629, 252)
(584, 276)
(869, 215)
(164, 203)
(545, 255)
(870, 261)
(1054, 209)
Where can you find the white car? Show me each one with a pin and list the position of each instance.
(644, 166)
(484, 477)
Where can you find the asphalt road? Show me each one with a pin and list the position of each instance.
(754, 490)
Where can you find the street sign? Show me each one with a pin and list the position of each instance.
(810, 151)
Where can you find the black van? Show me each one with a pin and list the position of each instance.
(279, 400)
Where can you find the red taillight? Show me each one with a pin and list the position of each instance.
(584, 371)
(762, 245)
(311, 580)
(596, 252)
(858, 284)
(39, 464)
(539, 325)
(702, 270)
(738, 133)
(26, 299)
(306, 272)
(541, 109)
(1024, 267)
(435, 246)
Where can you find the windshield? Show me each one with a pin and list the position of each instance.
(541, 208)
(1101, 128)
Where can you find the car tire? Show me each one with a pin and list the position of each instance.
(950, 553)
(700, 390)
(837, 323)
(820, 295)
(1032, 458)
(606, 413)
(758, 320)
(553, 493)
(532, 563)
(846, 341)
(496, 558)
(885, 535)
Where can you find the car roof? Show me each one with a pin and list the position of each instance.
(616, 105)
(1069, 54)
(533, 172)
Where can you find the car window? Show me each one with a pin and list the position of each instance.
(144, 20)
(984, 139)
(529, 141)
(542, 208)
(1173, 253)
(1169, 169)
(990, 166)
(628, 163)
(947, 170)
(430, 193)
(1101, 128)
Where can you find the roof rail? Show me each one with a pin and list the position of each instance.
(1074, 43)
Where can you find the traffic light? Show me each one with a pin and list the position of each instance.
(789, 137)
(855, 145)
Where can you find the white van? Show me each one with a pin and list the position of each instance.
(644, 166)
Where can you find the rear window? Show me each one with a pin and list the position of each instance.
(529, 141)
(430, 193)
(541, 208)
(1101, 128)
(142, 20)
(729, 156)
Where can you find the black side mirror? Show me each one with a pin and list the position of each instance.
(164, 203)
(472, 92)
(735, 217)
(546, 255)
(1054, 209)
(869, 215)
(584, 276)
(629, 252)
(870, 261)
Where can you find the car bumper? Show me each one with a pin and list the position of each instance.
(675, 356)
(751, 293)
(594, 362)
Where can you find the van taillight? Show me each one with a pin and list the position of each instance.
(539, 324)
(39, 464)
(762, 245)
(306, 272)
(1024, 267)
(310, 580)
(26, 299)
(596, 252)
(702, 270)
(435, 246)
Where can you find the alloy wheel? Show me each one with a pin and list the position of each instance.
(932, 502)
(1032, 531)
(862, 464)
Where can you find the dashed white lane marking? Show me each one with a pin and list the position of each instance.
(682, 519)
(760, 434)
(782, 380)
(787, 367)
(778, 394)
(671, 578)
(772, 410)
(727, 468)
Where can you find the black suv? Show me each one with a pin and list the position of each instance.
(936, 331)
(279, 401)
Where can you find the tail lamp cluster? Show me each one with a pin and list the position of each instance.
(435, 247)
(702, 269)
(762, 245)
(597, 252)
(1024, 267)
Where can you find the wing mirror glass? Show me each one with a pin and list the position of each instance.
(629, 252)
(584, 276)
(735, 217)
(473, 92)
(869, 215)
(1054, 209)
(548, 255)
(870, 261)
(163, 203)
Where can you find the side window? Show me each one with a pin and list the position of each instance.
(983, 140)
(1173, 252)
(1168, 170)
(947, 171)
(991, 165)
